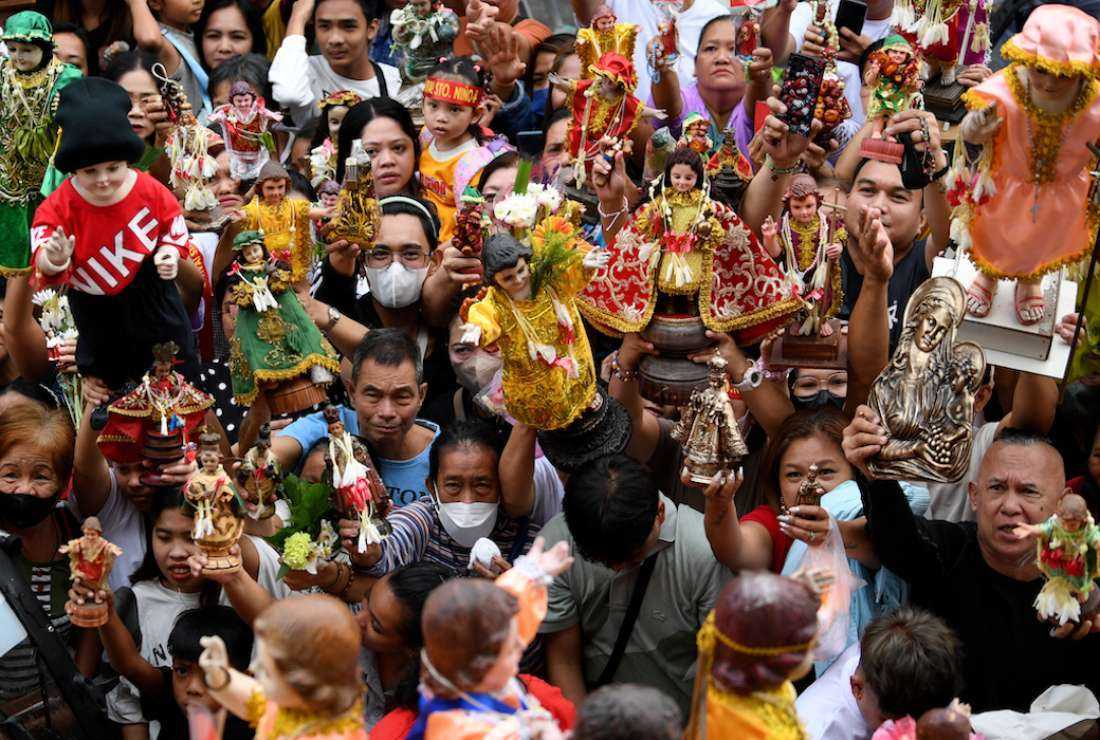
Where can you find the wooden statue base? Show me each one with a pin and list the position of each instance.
(944, 101)
(295, 395)
(669, 377)
(220, 561)
(812, 351)
(86, 615)
(1004, 340)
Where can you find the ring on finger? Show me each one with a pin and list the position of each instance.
(813, 536)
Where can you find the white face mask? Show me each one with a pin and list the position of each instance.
(477, 371)
(396, 286)
(467, 523)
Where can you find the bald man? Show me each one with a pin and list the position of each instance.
(979, 576)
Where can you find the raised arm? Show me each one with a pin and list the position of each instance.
(775, 29)
(517, 472)
(666, 91)
(736, 546)
(24, 338)
(920, 124)
(869, 325)
(148, 37)
(764, 196)
(1034, 402)
(585, 9)
(646, 431)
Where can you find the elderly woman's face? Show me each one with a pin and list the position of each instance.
(932, 328)
(26, 469)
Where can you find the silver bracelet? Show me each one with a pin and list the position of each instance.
(616, 214)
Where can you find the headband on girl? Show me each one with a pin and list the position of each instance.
(415, 204)
(451, 91)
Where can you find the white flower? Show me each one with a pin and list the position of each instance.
(517, 210)
(41, 297)
(548, 197)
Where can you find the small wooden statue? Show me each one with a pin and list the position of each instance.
(90, 561)
(810, 242)
(357, 216)
(218, 523)
(276, 349)
(155, 421)
(283, 221)
(925, 396)
(708, 428)
(1066, 548)
(188, 148)
(308, 684)
(359, 491)
(893, 74)
(259, 477)
(810, 491)
(474, 634)
(758, 639)
(244, 121)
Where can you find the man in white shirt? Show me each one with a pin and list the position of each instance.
(344, 30)
(907, 663)
(689, 24)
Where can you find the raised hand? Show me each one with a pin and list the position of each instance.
(58, 250)
(863, 439)
(167, 261)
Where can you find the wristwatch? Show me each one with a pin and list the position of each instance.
(751, 380)
(334, 315)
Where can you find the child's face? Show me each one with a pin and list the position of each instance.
(187, 686)
(177, 13)
(172, 545)
(24, 56)
(897, 56)
(609, 89)
(328, 200)
(102, 181)
(335, 118)
(253, 252)
(683, 177)
(447, 122)
(421, 7)
(273, 191)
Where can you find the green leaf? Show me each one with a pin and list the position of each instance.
(309, 503)
(523, 176)
(283, 570)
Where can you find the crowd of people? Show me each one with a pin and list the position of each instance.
(353, 445)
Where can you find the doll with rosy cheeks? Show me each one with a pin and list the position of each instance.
(244, 121)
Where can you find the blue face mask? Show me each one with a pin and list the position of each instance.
(539, 100)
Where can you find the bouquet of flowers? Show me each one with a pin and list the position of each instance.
(56, 319)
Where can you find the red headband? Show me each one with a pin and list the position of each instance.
(449, 91)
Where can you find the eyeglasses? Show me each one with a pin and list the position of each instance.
(808, 386)
(409, 258)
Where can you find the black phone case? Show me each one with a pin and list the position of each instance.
(851, 14)
(801, 84)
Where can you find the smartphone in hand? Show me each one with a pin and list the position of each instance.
(851, 14)
(801, 84)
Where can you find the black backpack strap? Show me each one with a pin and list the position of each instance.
(626, 629)
(383, 90)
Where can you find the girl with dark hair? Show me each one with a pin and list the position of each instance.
(758, 640)
(390, 625)
(322, 154)
(168, 582)
(389, 138)
(453, 96)
(228, 28)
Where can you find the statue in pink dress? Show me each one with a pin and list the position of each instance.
(1025, 210)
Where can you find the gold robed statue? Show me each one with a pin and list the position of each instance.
(708, 428)
(218, 523)
(925, 396)
(90, 561)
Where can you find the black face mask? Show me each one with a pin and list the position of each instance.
(24, 510)
(818, 400)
